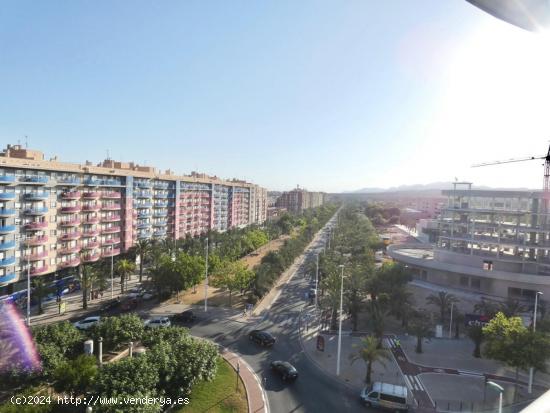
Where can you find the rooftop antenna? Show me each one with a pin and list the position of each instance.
(26, 142)
(108, 157)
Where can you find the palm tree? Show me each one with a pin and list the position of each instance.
(39, 291)
(475, 333)
(331, 296)
(443, 300)
(87, 275)
(124, 268)
(420, 327)
(370, 352)
(486, 307)
(142, 248)
(511, 307)
(401, 301)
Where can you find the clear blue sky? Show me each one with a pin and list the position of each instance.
(331, 95)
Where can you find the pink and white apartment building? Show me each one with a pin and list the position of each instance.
(56, 215)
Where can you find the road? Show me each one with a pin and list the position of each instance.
(314, 390)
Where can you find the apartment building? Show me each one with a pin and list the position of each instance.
(55, 215)
(299, 199)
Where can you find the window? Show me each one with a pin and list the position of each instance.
(17, 205)
(464, 281)
(514, 292)
(53, 204)
(52, 261)
(53, 247)
(373, 395)
(488, 265)
(52, 218)
(53, 232)
(475, 283)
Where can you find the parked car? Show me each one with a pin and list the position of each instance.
(186, 316)
(110, 305)
(158, 322)
(87, 323)
(386, 395)
(284, 369)
(129, 303)
(261, 337)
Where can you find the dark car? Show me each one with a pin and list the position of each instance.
(263, 338)
(186, 316)
(286, 370)
(110, 306)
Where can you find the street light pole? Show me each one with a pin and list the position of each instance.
(340, 321)
(531, 369)
(316, 281)
(28, 290)
(500, 390)
(112, 275)
(206, 279)
(451, 322)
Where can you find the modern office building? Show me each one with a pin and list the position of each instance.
(299, 199)
(495, 243)
(55, 215)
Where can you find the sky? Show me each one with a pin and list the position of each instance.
(328, 95)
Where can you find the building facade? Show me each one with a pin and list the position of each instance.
(298, 199)
(56, 215)
(491, 242)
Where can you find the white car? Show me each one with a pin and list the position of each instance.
(158, 322)
(87, 323)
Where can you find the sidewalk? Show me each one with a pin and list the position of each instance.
(257, 400)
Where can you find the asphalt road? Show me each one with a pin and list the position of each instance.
(313, 391)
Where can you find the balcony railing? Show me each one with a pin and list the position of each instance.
(143, 225)
(35, 179)
(6, 229)
(7, 179)
(91, 257)
(144, 205)
(142, 194)
(160, 204)
(110, 230)
(36, 211)
(7, 196)
(91, 195)
(70, 250)
(7, 245)
(90, 233)
(111, 207)
(90, 245)
(68, 181)
(71, 209)
(112, 218)
(39, 270)
(70, 223)
(7, 278)
(91, 220)
(36, 196)
(157, 195)
(36, 225)
(7, 261)
(70, 236)
(110, 252)
(111, 195)
(7, 212)
(88, 207)
(71, 195)
(111, 241)
(37, 256)
(69, 263)
(144, 184)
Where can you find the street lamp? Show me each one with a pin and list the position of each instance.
(29, 289)
(112, 273)
(206, 279)
(340, 322)
(316, 282)
(500, 391)
(531, 369)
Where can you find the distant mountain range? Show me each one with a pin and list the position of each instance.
(434, 186)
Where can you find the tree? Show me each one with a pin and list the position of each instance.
(475, 333)
(420, 327)
(486, 307)
(142, 248)
(444, 301)
(76, 376)
(124, 268)
(88, 276)
(117, 331)
(511, 307)
(400, 304)
(331, 285)
(187, 271)
(40, 290)
(233, 276)
(370, 352)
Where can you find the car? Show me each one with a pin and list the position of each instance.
(186, 316)
(386, 396)
(261, 337)
(110, 305)
(87, 323)
(158, 322)
(129, 303)
(284, 369)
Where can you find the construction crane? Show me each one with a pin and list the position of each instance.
(546, 181)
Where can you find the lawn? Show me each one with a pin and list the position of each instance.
(219, 395)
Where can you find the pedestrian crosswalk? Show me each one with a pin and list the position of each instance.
(286, 321)
(413, 382)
